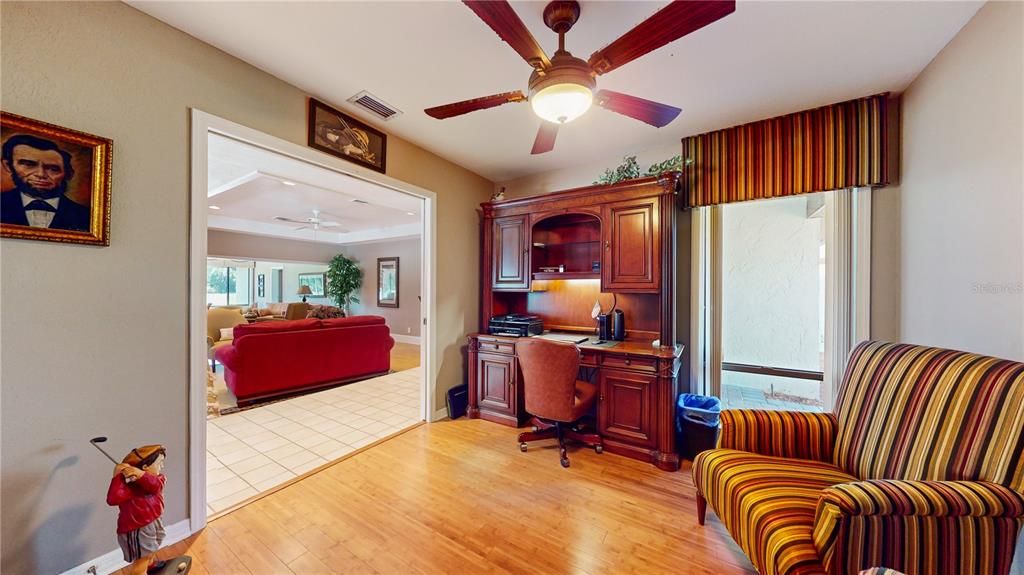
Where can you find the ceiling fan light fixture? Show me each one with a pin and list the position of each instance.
(562, 103)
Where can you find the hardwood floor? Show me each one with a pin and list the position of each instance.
(405, 356)
(459, 497)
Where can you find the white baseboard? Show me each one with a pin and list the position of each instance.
(110, 562)
(406, 338)
(439, 415)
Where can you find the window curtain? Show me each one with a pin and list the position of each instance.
(843, 145)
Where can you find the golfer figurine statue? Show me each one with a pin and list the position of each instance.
(137, 489)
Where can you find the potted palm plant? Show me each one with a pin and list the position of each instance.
(344, 278)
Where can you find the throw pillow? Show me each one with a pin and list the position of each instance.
(227, 333)
(324, 312)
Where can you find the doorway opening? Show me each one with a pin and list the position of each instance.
(289, 373)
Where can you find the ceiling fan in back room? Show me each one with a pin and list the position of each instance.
(562, 88)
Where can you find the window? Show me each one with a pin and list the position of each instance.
(780, 290)
(229, 282)
(773, 303)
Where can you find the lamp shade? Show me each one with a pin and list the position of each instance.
(304, 290)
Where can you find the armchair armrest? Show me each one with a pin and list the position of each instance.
(228, 356)
(902, 518)
(792, 434)
(924, 498)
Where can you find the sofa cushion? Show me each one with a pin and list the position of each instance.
(354, 321)
(276, 327)
(768, 505)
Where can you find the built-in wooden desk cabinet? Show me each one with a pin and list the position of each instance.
(616, 245)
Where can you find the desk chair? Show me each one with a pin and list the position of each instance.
(553, 394)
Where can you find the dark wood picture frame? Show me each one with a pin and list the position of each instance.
(83, 209)
(335, 132)
(387, 302)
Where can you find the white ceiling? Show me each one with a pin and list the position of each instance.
(247, 186)
(765, 59)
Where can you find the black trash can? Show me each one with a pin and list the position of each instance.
(696, 423)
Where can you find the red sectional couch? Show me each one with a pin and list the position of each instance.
(274, 358)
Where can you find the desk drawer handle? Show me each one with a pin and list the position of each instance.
(627, 361)
(496, 346)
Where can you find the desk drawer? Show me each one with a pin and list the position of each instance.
(630, 362)
(497, 346)
(588, 357)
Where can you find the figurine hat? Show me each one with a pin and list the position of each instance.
(143, 455)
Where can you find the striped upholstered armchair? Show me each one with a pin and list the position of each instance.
(920, 469)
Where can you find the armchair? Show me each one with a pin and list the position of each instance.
(919, 469)
(218, 318)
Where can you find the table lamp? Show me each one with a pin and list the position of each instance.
(304, 291)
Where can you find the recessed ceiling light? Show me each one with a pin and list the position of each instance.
(411, 213)
(214, 207)
(287, 183)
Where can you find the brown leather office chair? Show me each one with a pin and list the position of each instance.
(553, 394)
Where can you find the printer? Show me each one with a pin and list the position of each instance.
(515, 325)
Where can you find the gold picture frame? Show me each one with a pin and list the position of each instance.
(67, 169)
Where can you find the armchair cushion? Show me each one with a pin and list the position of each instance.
(767, 504)
(793, 434)
(918, 526)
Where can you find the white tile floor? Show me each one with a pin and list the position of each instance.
(255, 450)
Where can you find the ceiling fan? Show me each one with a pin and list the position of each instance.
(315, 222)
(561, 88)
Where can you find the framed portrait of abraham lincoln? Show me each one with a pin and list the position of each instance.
(341, 135)
(55, 183)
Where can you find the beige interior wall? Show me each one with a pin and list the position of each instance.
(961, 196)
(95, 339)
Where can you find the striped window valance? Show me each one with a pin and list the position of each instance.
(844, 145)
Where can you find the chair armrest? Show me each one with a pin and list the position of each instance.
(390, 343)
(923, 498)
(209, 342)
(792, 434)
(902, 517)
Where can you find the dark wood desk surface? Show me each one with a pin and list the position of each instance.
(628, 347)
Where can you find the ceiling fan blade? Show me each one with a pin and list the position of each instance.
(545, 141)
(646, 111)
(301, 228)
(329, 224)
(284, 219)
(499, 15)
(467, 106)
(669, 24)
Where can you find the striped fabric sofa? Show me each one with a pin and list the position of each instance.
(920, 469)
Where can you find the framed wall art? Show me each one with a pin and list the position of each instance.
(339, 134)
(387, 282)
(55, 183)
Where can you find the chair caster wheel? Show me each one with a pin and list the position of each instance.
(522, 447)
(599, 449)
(565, 462)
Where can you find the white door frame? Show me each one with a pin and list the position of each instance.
(202, 125)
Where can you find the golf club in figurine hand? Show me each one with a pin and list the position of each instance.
(136, 489)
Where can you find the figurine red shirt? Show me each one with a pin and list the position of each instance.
(139, 503)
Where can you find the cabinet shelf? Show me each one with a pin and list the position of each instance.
(567, 275)
(544, 246)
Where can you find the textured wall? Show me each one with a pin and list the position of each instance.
(95, 339)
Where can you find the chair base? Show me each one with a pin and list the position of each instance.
(562, 431)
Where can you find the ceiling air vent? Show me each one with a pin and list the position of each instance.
(375, 105)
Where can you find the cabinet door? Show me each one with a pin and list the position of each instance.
(632, 247)
(627, 412)
(496, 378)
(511, 252)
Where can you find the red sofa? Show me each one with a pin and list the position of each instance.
(275, 358)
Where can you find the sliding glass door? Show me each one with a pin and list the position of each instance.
(229, 282)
